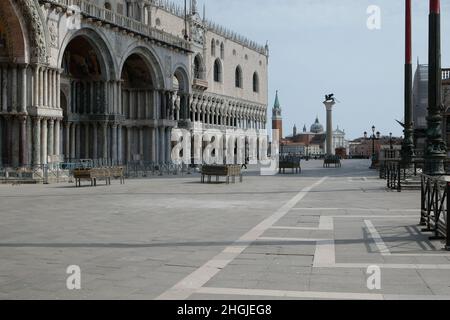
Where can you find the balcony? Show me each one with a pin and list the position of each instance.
(200, 84)
(103, 16)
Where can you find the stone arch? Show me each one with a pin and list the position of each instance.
(182, 76)
(151, 60)
(100, 45)
(199, 67)
(13, 35)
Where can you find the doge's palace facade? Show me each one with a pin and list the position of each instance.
(111, 79)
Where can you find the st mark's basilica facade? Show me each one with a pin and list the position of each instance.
(111, 79)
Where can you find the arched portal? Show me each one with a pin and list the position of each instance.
(139, 109)
(181, 91)
(14, 93)
(92, 101)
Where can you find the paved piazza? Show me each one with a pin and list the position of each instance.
(309, 236)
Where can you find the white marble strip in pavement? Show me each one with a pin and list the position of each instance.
(389, 266)
(325, 223)
(316, 295)
(291, 294)
(197, 279)
(381, 245)
(359, 209)
(291, 239)
(294, 228)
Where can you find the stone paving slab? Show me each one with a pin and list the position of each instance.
(139, 240)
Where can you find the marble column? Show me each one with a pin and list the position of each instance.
(141, 142)
(162, 145)
(94, 141)
(86, 141)
(45, 87)
(73, 129)
(119, 93)
(78, 141)
(36, 141)
(7, 140)
(57, 134)
(50, 88)
(14, 88)
(58, 89)
(131, 111)
(119, 145)
(55, 89)
(23, 154)
(129, 142)
(44, 141)
(41, 86)
(29, 144)
(67, 140)
(105, 140)
(4, 88)
(154, 144)
(50, 137)
(168, 144)
(23, 100)
(114, 142)
(139, 104)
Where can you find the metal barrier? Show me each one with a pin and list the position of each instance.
(36, 173)
(142, 169)
(397, 174)
(435, 204)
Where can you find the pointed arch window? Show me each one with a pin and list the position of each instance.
(213, 47)
(238, 77)
(222, 51)
(217, 71)
(255, 82)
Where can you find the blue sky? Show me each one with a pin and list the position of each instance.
(324, 46)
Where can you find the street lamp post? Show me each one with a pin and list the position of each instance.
(407, 152)
(373, 137)
(390, 141)
(436, 150)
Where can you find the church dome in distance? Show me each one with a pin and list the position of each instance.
(316, 127)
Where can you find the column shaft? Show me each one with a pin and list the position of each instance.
(50, 138)
(36, 141)
(23, 104)
(57, 134)
(44, 141)
(23, 159)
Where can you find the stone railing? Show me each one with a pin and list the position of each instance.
(231, 35)
(90, 10)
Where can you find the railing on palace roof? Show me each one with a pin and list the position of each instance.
(114, 19)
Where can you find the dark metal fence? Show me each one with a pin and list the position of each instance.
(397, 174)
(435, 204)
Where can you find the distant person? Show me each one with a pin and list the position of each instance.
(244, 165)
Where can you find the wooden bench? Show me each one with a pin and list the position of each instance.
(290, 163)
(83, 174)
(118, 173)
(94, 174)
(333, 160)
(227, 171)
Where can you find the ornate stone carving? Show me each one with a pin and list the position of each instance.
(53, 33)
(35, 26)
(168, 66)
